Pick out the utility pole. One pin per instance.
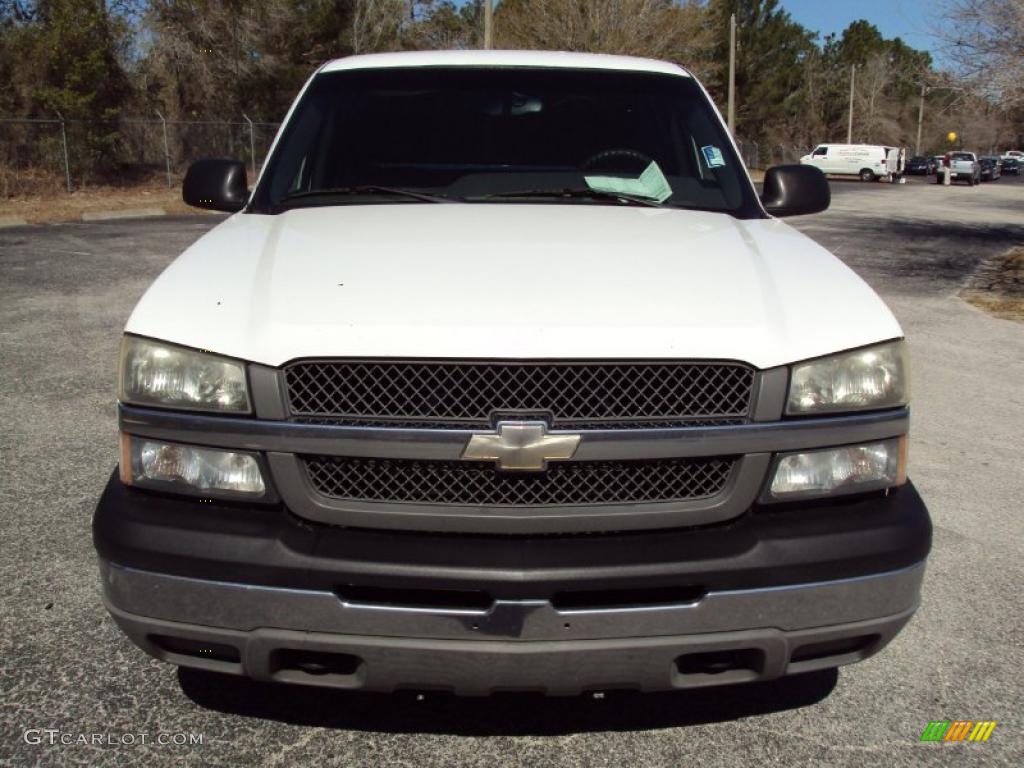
(732, 75)
(849, 122)
(920, 120)
(64, 143)
(167, 150)
(488, 24)
(252, 143)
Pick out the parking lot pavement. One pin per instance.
(919, 237)
(65, 293)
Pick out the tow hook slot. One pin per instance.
(722, 666)
(316, 663)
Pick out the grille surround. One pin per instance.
(480, 484)
(476, 394)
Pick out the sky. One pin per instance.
(907, 19)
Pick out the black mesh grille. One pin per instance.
(480, 484)
(570, 395)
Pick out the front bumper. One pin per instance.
(481, 665)
(260, 592)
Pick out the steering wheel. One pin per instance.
(607, 154)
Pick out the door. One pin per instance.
(819, 158)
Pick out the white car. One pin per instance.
(867, 161)
(1014, 154)
(502, 376)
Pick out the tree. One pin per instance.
(64, 56)
(445, 26)
(216, 58)
(219, 58)
(860, 41)
(376, 25)
(889, 75)
(771, 52)
(985, 40)
(874, 116)
(655, 28)
(888, 84)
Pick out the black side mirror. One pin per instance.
(216, 183)
(792, 190)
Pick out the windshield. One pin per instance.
(504, 135)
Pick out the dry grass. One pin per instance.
(998, 286)
(60, 206)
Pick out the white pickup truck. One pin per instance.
(503, 376)
(963, 166)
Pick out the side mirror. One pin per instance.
(215, 183)
(792, 190)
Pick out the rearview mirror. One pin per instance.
(793, 190)
(217, 184)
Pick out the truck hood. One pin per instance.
(510, 281)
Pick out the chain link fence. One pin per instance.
(40, 156)
(765, 154)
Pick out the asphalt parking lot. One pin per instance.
(65, 293)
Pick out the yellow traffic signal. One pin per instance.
(951, 136)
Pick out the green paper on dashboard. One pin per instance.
(651, 184)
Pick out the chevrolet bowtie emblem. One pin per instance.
(521, 445)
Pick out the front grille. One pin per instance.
(463, 483)
(474, 395)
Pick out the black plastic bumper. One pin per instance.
(270, 546)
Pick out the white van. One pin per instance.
(865, 160)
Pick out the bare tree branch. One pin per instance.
(985, 41)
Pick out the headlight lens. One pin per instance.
(180, 468)
(837, 471)
(873, 377)
(154, 373)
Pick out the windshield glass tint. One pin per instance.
(477, 134)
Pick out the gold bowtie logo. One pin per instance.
(521, 445)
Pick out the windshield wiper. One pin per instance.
(366, 189)
(581, 193)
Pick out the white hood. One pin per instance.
(510, 281)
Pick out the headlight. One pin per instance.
(837, 471)
(873, 377)
(154, 373)
(180, 468)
